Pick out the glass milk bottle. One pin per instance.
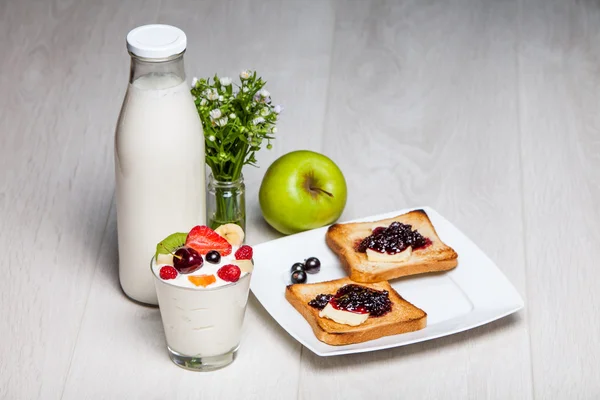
(159, 155)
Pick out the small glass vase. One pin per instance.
(226, 202)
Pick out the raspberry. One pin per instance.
(167, 272)
(244, 253)
(229, 273)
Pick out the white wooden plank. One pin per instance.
(125, 340)
(289, 44)
(56, 183)
(124, 343)
(422, 110)
(560, 123)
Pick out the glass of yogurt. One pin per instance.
(202, 313)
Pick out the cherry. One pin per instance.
(312, 265)
(297, 267)
(298, 277)
(187, 260)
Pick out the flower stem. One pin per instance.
(229, 204)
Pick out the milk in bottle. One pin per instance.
(159, 155)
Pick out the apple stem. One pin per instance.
(321, 190)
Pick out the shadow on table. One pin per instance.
(318, 363)
(258, 229)
(107, 264)
(267, 322)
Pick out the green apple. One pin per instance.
(302, 190)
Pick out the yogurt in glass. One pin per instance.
(202, 325)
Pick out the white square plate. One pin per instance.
(473, 294)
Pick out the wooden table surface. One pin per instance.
(488, 111)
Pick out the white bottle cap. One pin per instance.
(156, 41)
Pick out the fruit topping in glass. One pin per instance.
(167, 272)
(233, 233)
(187, 260)
(167, 247)
(229, 273)
(182, 254)
(203, 239)
(244, 253)
(202, 280)
(394, 239)
(165, 259)
(213, 257)
(245, 265)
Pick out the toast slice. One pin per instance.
(343, 239)
(404, 317)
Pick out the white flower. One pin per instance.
(265, 111)
(220, 98)
(222, 121)
(203, 102)
(194, 82)
(245, 90)
(245, 74)
(258, 120)
(211, 138)
(225, 81)
(274, 129)
(215, 114)
(232, 116)
(264, 93)
(278, 109)
(212, 95)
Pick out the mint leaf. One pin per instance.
(170, 243)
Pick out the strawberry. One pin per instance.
(229, 273)
(203, 239)
(167, 272)
(244, 253)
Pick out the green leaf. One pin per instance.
(236, 143)
(170, 243)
